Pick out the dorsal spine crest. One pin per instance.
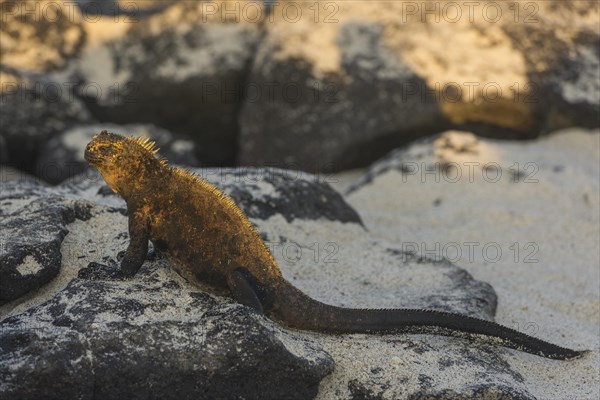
(145, 143)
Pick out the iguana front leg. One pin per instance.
(138, 244)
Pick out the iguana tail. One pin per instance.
(295, 309)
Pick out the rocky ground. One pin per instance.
(160, 332)
(426, 214)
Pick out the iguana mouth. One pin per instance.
(90, 158)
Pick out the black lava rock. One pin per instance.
(152, 339)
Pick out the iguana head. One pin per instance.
(126, 163)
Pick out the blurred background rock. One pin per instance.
(316, 86)
(406, 89)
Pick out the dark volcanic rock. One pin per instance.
(32, 227)
(152, 339)
(311, 115)
(62, 156)
(33, 109)
(182, 69)
(337, 85)
(264, 192)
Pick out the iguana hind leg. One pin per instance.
(243, 289)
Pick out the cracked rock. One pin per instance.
(152, 338)
(32, 228)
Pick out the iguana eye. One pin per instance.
(104, 150)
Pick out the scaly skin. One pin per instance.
(212, 244)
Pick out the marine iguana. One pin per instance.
(212, 244)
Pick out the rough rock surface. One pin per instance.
(330, 96)
(62, 156)
(33, 109)
(264, 192)
(182, 69)
(82, 324)
(336, 85)
(32, 227)
(40, 35)
(561, 50)
(152, 338)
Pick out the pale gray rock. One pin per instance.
(183, 69)
(33, 223)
